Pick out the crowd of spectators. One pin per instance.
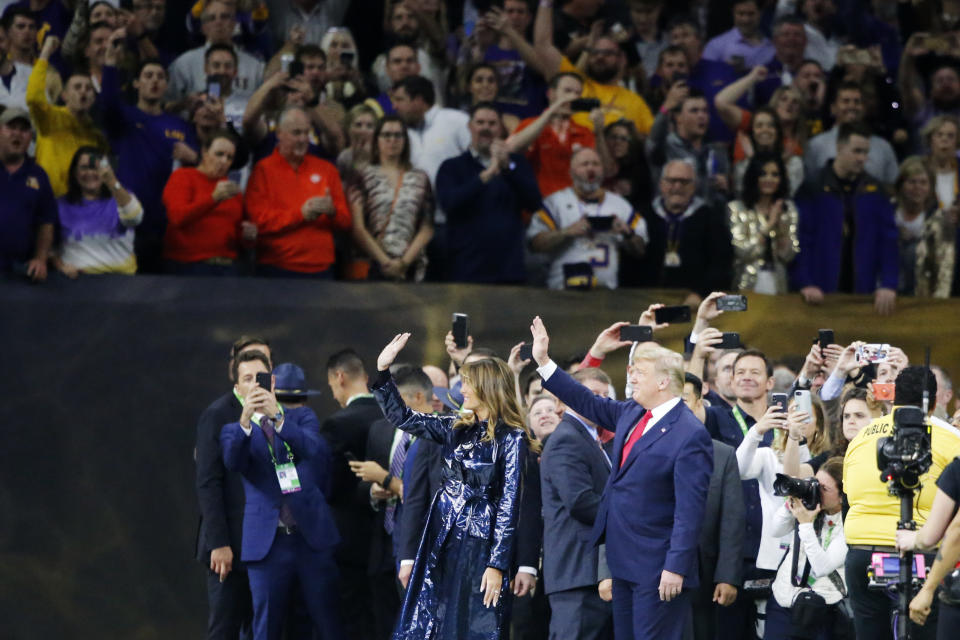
(768, 146)
(760, 553)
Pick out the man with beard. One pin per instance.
(484, 192)
(943, 92)
(606, 63)
(407, 26)
(583, 228)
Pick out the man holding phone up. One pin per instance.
(584, 227)
(288, 530)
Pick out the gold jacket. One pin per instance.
(747, 232)
(935, 257)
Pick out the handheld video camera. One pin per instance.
(806, 490)
(905, 455)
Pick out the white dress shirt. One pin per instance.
(443, 135)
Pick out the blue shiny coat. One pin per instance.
(471, 525)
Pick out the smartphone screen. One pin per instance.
(679, 313)
(636, 333)
(265, 380)
(600, 223)
(732, 303)
(460, 331)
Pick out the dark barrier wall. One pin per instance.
(103, 379)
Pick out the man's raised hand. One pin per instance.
(541, 341)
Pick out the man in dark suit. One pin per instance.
(382, 473)
(484, 192)
(653, 504)
(721, 540)
(347, 431)
(573, 472)
(289, 534)
(221, 499)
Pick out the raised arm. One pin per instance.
(550, 56)
(394, 408)
(726, 100)
(603, 411)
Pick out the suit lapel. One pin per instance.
(592, 445)
(655, 432)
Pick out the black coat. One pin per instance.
(704, 246)
(722, 535)
(379, 442)
(347, 431)
(219, 492)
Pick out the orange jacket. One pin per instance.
(198, 228)
(275, 195)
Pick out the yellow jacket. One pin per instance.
(59, 132)
(873, 515)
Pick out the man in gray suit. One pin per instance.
(721, 539)
(573, 472)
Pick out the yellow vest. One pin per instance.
(874, 513)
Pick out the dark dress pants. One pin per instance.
(231, 612)
(273, 578)
(639, 614)
(580, 614)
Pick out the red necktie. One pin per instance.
(637, 432)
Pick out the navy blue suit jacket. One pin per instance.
(250, 456)
(653, 506)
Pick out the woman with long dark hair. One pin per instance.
(763, 227)
(461, 574)
(97, 217)
(392, 207)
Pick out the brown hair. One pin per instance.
(492, 381)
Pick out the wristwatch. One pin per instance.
(117, 186)
(277, 418)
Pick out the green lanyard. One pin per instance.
(740, 420)
(253, 419)
(826, 541)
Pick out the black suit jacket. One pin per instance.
(419, 487)
(219, 492)
(347, 431)
(574, 472)
(722, 535)
(379, 442)
(530, 523)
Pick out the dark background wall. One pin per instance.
(103, 379)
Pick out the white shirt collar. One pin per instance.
(661, 410)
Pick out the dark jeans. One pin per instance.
(231, 608)
(873, 610)
(176, 268)
(270, 271)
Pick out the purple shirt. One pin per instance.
(731, 44)
(26, 204)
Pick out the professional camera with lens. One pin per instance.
(807, 491)
(905, 455)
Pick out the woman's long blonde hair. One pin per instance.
(492, 381)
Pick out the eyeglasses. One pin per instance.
(679, 182)
(394, 135)
(618, 137)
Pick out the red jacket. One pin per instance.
(198, 227)
(275, 195)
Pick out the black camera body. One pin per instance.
(905, 455)
(806, 490)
